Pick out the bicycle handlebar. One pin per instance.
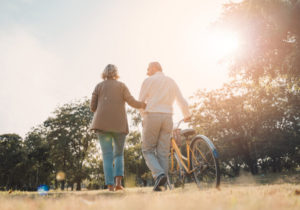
(178, 124)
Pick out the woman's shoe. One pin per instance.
(119, 183)
(110, 188)
(119, 188)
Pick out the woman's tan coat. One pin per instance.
(108, 105)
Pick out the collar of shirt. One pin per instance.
(158, 73)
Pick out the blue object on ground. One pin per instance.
(43, 189)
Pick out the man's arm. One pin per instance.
(183, 104)
(143, 91)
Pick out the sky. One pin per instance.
(53, 52)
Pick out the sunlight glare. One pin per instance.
(222, 43)
(237, 1)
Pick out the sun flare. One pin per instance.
(222, 43)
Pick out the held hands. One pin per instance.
(144, 105)
(187, 119)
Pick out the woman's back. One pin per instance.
(111, 92)
(108, 103)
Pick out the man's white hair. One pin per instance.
(156, 65)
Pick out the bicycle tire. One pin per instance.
(205, 163)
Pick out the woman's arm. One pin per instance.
(94, 100)
(131, 100)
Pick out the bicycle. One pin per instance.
(201, 159)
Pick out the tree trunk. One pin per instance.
(37, 177)
(253, 166)
(56, 184)
(236, 170)
(78, 185)
(246, 151)
(276, 167)
(62, 185)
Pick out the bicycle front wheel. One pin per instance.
(176, 173)
(205, 164)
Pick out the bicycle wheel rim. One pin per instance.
(205, 164)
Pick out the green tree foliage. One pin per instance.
(64, 143)
(270, 43)
(39, 168)
(254, 119)
(134, 162)
(248, 123)
(11, 164)
(70, 141)
(95, 171)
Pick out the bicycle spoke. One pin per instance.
(201, 153)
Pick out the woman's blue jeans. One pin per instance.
(112, 146)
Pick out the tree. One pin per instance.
(70, 140)
(39, 169)
(134, 162)
(11, 161)
(255, 118)
(243, 120)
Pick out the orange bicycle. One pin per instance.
(193, 158)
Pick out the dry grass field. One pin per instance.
(278, 196)
(242, 193)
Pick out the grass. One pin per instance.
(246, 192)
(278, 196)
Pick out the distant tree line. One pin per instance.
(63, 143)
(254, 120)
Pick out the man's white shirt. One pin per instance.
(159, 93)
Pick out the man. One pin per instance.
(159, 93)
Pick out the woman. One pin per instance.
(110, 123)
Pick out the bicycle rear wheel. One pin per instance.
(205, 164)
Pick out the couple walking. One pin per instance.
(157, 95)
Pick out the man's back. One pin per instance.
(159, 92)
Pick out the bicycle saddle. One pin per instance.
(187, 132)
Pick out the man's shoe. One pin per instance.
(160, 181)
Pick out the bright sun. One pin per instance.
(222, 43)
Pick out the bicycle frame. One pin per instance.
(183, 162)
(192, 163)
